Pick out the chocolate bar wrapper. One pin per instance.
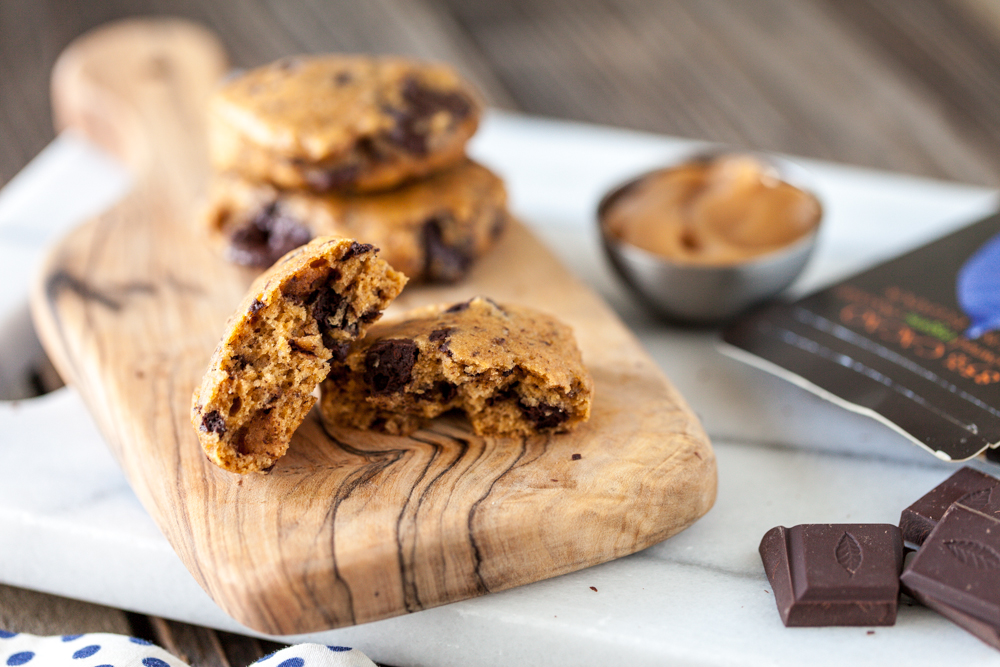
(913, 342)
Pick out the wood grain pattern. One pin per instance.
(358, 526)
(908, 87)
(777, 75)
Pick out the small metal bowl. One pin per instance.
(703, 295)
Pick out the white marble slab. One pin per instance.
(69, 524)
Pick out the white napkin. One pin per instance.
(102, 649)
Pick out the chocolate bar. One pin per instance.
(968, 486)
(958, 568)
(834, 574)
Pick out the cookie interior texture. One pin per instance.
(512, 370)
(297, 316)
(342, 122)
(432, 229)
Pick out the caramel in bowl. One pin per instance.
(704, 240)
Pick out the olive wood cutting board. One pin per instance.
(352, 526)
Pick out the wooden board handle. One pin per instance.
(132, 85)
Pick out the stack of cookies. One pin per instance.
(342, 177)
(362, 147)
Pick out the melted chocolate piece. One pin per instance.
(329, 309)
(440, 334)
(339, 371)
(266, 238)
(507, 393)
(968, 485)
(338, 350)
(255, 306)
(447, 390)
(420, 104)
(427, 101)
(370, 316)
(389, 365)
(544, 417)
(458, 307)
(834, 574)
(335, 178)
(213, 423)
(357, 249)
(958, 569)
(443, 262)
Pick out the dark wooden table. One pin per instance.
(911, 87)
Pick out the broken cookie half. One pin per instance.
(298, 316)
(512, 370)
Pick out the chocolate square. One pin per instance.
(987, 632)
(967, 485)
(834, 574)
(959, 565)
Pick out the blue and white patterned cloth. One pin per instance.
(107, 650)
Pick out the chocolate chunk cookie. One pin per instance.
(296, 318)
(341, 122)
(432, 229)
(512, 370)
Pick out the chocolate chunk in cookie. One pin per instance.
(389, 365)
(443, 262)
(278, 346)
(415, 116)
(512, 370)
(266, 237)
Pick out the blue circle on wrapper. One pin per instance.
(20, 658)
(977, 287)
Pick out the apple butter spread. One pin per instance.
(725, 210)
